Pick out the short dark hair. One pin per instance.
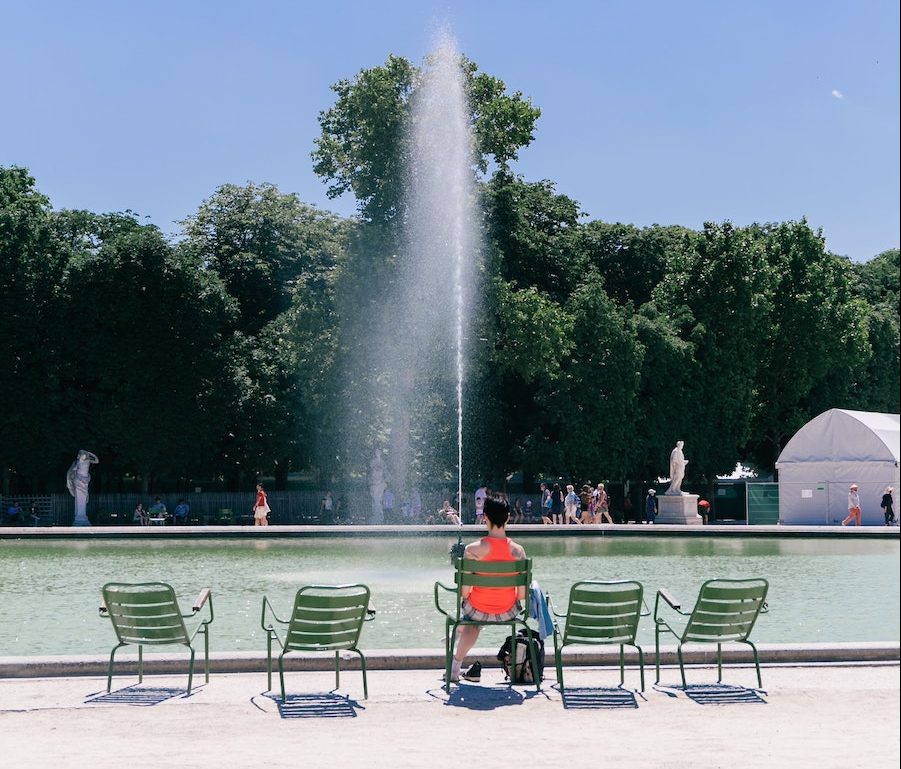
(496, 509)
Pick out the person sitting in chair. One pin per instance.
(487, 604)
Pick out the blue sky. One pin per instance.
(652, 112)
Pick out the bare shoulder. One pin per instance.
(517, 550)
(476, 550)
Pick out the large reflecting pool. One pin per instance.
(820, 590)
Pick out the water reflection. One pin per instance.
(820, 590)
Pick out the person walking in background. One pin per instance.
(261, 507)
(887, 505)
(602, 508)
(572, 505)
(585, 502)
(546, 516)
(627, 508)
(853, 506)
(557, 504)
(650, 506)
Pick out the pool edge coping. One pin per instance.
(53, 666)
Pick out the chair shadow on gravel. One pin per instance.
(329, 705)
(717, 694)
(598, 698)
(480, 697)
(138, 695)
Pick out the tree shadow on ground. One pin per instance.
(599, 698)
(717, 694)
(138, 695)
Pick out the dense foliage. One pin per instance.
(239, 349)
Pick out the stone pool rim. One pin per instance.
(739, 530)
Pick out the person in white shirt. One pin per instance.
(853, 506)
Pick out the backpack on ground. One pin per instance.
(523, 665)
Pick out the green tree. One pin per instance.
(809, 328)
(717, 292)
(362, 145)
(145, 331)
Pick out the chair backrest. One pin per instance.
(327, 617)
(726, 610)
(603, 612)
(145, 613)
(493, 574)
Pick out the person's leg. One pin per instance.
(857, 516)
(606, 514)
(467, 635)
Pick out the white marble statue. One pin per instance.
(677, 462)
(77, 480)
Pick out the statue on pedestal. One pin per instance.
(77, 480)
(677, 462)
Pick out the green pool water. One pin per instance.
(829, 590)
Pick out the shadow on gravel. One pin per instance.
(585, 698)
(317, 706)
(137, 695)
(717, 694)
(488, 697)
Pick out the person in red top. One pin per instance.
(261, 508)
(492, 604)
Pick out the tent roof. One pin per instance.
(839, 435)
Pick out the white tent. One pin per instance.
(827, 455)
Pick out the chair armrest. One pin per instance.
(201, 599)
(645, 609)
(270, 628)
(550, 605)
(437, 599)
(667, 596)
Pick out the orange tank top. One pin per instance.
(494, 600)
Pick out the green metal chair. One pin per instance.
(324, 618)
(725, 612)
(147, 614)
(502, 574)
(605, 613)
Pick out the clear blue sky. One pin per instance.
(652, 112)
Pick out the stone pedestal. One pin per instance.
(681, 510)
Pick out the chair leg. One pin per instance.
(140, 663)
(109, 676)
(681, 664)
(513, 654)
(190, 669)
(281, 673)
(533, 662)
(622, 665)
(206, 654)
(363, 668)
(719, 663)
(756, 664)
(268, 661)
(337, 671)
(641, 665)
(449, 654)
(558, 662)
(657, 652)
